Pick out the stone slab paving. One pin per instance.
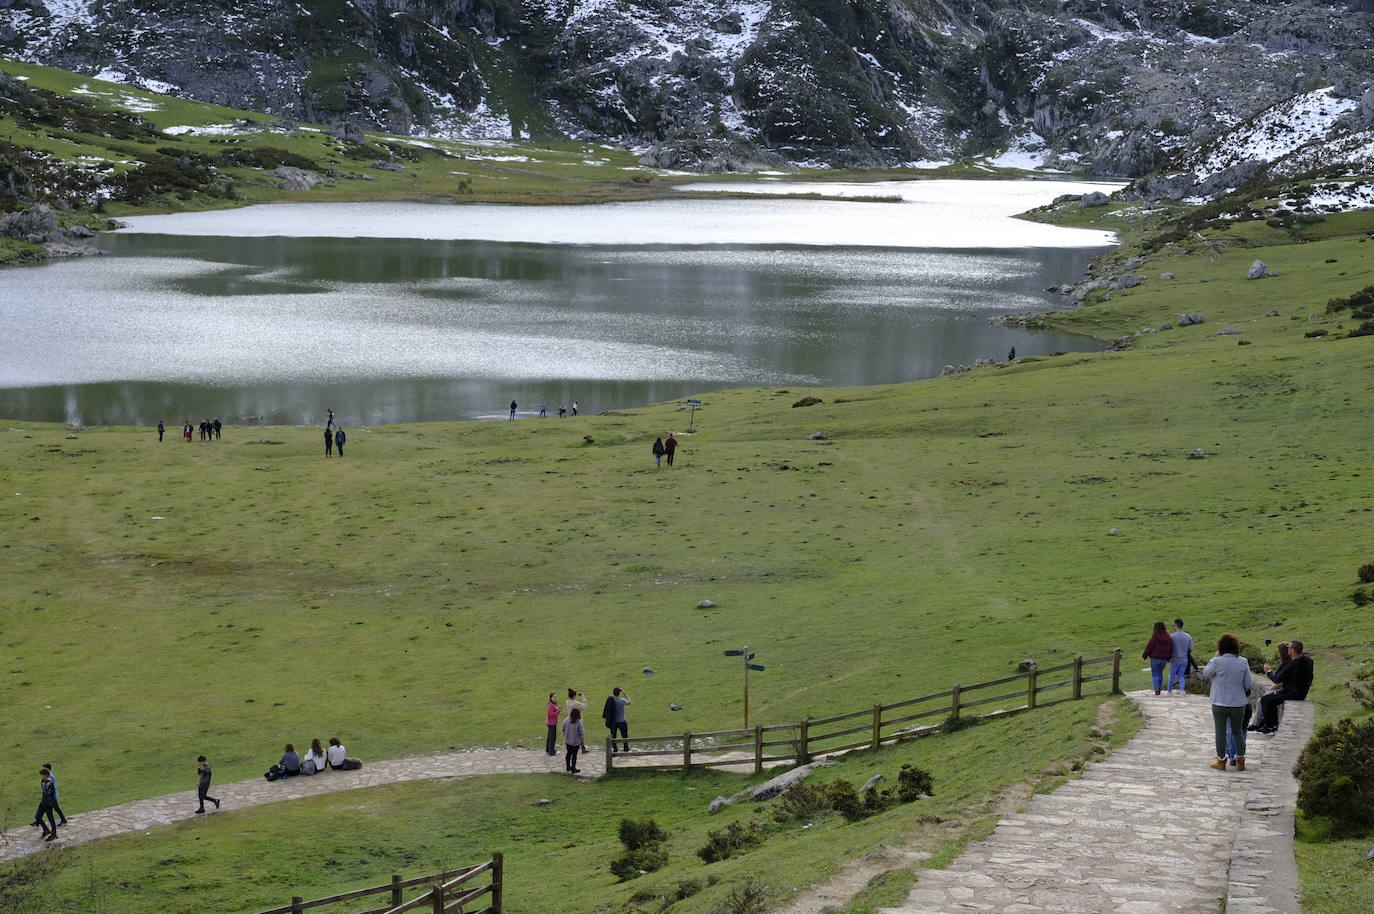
(1150, 829)
(175, 807)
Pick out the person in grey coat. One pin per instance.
(1229, 675)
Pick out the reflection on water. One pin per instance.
(387, 330)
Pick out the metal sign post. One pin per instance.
(692, 416)
(746, 656)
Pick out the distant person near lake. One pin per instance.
(187, 430)
(328, 443)
(562, 410)
(1159, 650)
(218, 425)
(160, 429)
(329, 422)
(670, 448)
(613, 712)
(543, 410)
(659, 450)
(339, 439)
(574, 407)
(513, 406)
(1178, 664)
(204, 774)
(1011, 354)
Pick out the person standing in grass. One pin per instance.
(574, 407)
(658, 452)
(160, 429)
(328, 442)
(551, 712)
(339, 439)
(670, 448)
(1231, 681)
(543, 410)
(203, 786)
(573, 737)
(218, 425)
(1159, 650)
(513, 406)
(562, 410)
(1178, 664)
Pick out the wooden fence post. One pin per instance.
(296, 902)
(436, 898)
(687, 750)
(758, 748)
(397, 893)
(1116, 671)
(877, 726)
(497, 880)
(954, 702)
(610, 753)
(804, 743)
(1078, 677)
(1031, 675)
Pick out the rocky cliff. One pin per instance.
(1110, 86)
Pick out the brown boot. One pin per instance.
(1219, 764)
(1240, 763)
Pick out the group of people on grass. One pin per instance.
(663, 449)
(316, 759)
(1234, 690)
(544, 410)
(334, 436)
(574, 730)
(209, 429)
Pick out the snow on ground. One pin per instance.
(1335, 197)
(1353, 152)
(1273, 133)
(1027, 151)
(125, 100)
(205, 130)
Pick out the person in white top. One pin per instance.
(336, 753)
(576, 700)
(314, 760)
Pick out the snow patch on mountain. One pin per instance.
(1272, 134)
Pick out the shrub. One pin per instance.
(724, 843)
(801, 802)
(844, 799)
(749, 897)
(913, 782)
(1361, 597)
(266, 157)
(1314, 334)
(643, 833)
(1335, 779)
(1366, 573)
(644, 851)
(1253, 656)
(1365, 329)
(686, 889)
(807, 401)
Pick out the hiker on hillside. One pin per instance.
(160, 429)
(573, 737)
(613, 712)
(339, 439)
(1178, 664)
(551, 712)
(659, 451)
(328, 443)
(670, 448)
(1292, 681)
(47, 804)
(513, 405)
(1231, 681)
(203, 786)
(1159, 650)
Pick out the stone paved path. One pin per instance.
(1150, 829)
(175, 807)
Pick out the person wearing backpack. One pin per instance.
(339, 439)
(658, 452)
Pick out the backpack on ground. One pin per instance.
(351, 764)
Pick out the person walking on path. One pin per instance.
(56, 795)
(339, 439)
(513, 405)
(160, 429)
(1231, 681)
(613, 712)
(47, 804)
(573, 737)
(670, 448)
(1159, 650)
(203, 786)
(658, 452)
(328, 443)
(551, 713)
(1292, 681)
(1178, 664)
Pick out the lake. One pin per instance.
(415, 312)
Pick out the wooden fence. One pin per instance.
(439, 893)
(870, 728)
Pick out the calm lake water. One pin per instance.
(415, 312)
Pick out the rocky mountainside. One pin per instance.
(1110, 86)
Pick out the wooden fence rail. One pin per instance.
(870, 728)
(440, 893)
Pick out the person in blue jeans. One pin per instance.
(1178, 664)
(1229, 675)
(1159, 650)
(339, 439)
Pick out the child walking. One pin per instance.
(573, 735)
(203, 788)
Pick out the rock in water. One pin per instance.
(1259, 270)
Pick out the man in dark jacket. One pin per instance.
(613, 713)
(1292, 681)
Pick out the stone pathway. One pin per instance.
(175, 807)
(1150, 829)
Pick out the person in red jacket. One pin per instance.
(670, 448)
(1159, 650)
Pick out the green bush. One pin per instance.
(1335, 778)
(913, 783)
(807, 401)
(1314, 334)
(1366, 573)
(801, 802)
(643, 833)
(1360, 597)
(724, 843)
(1253, 656)
(749, 897)
(644, 851)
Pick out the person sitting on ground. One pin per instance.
(336, 753)
(1229, 674)
(314, 761)
(290, 763)
(1292, 681)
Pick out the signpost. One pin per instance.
(694, 404)
(747, 656)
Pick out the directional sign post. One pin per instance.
(691, 416)
(746, 655)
